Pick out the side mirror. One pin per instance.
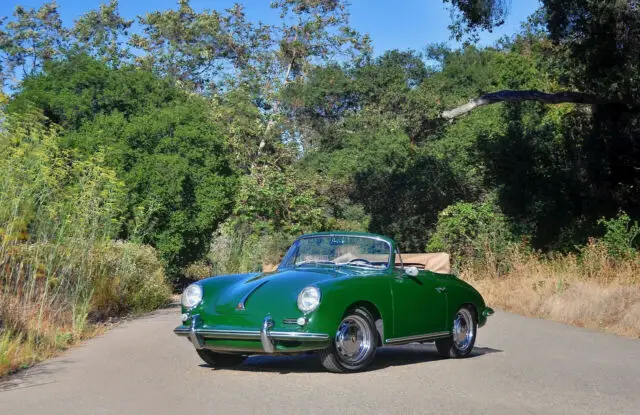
(411, 271)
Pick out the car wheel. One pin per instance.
(354, 345)
(214, 359)
(463, 337)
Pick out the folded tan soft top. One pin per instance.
(439, 262)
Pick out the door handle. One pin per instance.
(441, 289)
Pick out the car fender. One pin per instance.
(341, 295)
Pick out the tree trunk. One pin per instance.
(532, 95)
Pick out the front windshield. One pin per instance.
(340, 250)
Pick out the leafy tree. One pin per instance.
(102, 33)
(32, 38)
(591, 48)
(162, 142)
(193, 48)
(277, 200)
(472, 16)
(575, 164)
(175, 165)
(399, 186)
(74, 91)
(389, 86)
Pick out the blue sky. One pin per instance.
(399, 24)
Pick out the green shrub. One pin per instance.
(621, 236)
(473, 232)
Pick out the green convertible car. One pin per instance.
(339, 294)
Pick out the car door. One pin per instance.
(419, 304)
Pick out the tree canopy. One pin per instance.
(232, 136)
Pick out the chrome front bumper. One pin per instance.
(267, 337)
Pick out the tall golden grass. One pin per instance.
(54, 296)
(591, 289)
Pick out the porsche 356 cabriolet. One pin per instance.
(341, 295)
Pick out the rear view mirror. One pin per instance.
(412, 271)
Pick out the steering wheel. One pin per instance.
(360, 259)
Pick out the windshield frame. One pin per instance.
(292, 251)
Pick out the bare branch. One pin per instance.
(518, 96)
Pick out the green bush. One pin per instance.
(621, 236)
(473, 232)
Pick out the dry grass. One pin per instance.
(30, 335)
(44, 309)
(589, 290)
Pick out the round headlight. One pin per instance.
(192, 296)
(308, 299)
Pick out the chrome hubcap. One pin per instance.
(463, 331)
(353, 339)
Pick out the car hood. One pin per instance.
(270, 292)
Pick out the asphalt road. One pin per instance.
(520, 366)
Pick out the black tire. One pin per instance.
(214, 359)
(335, 359)
(447, 347)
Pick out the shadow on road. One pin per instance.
(385, 357)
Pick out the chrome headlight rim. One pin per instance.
(192, 296)
(309, 299)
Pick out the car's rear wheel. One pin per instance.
(214, 359)
(354, 345)
(463, 338)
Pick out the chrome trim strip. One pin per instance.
(253, 351)
(229, 334)
(288, 335)
(419, 337)
(244, 299)
(250, 334)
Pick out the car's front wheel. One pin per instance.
(214, 359)
(354, 345)
(463, 337)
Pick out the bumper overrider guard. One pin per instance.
(267, 337)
